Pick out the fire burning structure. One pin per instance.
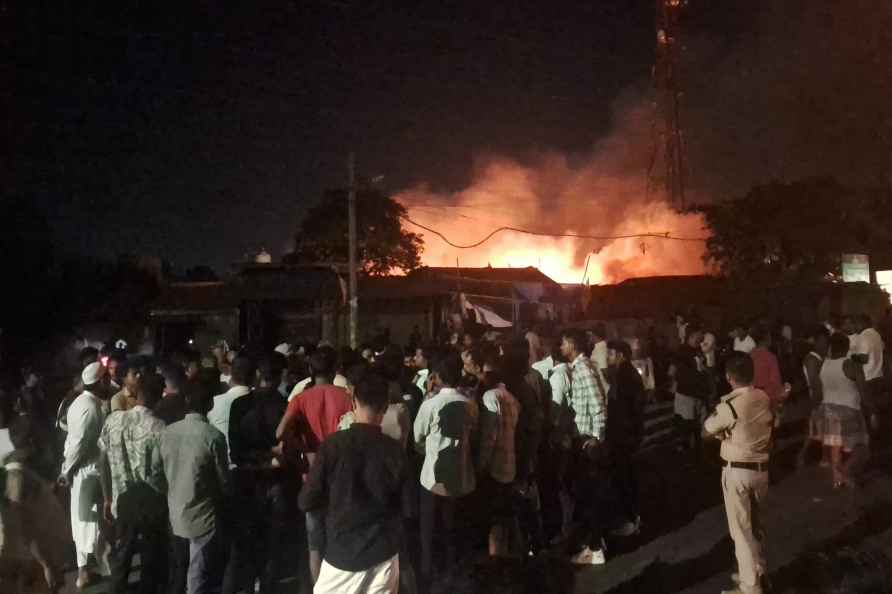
(591, 220)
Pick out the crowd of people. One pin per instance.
(396, 464)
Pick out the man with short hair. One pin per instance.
(191, 365)
(262, 491)
(80, 470)
(443, 429)
(133, 488)
(766, 369)
(588, 395)
(241, 380)
(172, 407)
(195, 464)
(545, 363)
(818, 340)
(588, 401)
(423, 358)
(599, 348)
(743, 422)
(691, 390)
(625, 429)
(309, 418)
(850, 329)
(497, 457)
(356, 481)
(339, 379)
(116, 361)
(125, 399)
(743, 342)
(561, 438)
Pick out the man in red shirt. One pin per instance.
(767, 376)
(312, 416)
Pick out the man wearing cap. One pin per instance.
(743, 422)
(80, 470)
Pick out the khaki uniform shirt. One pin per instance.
(743, 422)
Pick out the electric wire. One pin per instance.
(494, 232)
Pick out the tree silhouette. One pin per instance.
(796, 231)
(383, 246)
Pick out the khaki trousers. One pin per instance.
(744, 491)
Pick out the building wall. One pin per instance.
(400, 316)
(172, 333)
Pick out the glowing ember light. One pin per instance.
(604, 196)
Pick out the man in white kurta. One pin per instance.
(81, 472)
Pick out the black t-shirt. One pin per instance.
(253, 420)
(357, 478)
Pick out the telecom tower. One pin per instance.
(667, 168)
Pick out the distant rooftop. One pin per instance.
(530, 274)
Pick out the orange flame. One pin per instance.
(605, 196)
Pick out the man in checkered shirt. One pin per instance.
(588, 403)
(588, 392)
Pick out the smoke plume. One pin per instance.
(603, 194)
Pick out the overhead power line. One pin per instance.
(662, 235)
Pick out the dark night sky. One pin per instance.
(201, 134)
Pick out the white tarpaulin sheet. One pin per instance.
(484, 315)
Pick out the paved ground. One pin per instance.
(804, 516)
(816, 536)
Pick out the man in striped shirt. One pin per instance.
(588, 402)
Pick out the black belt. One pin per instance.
(756, 466)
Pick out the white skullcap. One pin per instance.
(92, 373)
(283, 348)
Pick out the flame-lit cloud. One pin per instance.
(604, 194)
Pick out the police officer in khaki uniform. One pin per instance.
(743, 422)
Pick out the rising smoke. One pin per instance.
(603, 194)
(801, 89)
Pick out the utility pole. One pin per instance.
(351, 222)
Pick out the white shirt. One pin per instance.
(5, 443)
(744, 345)
(836, 386)
(219, 415)
(444, 426)
(561, 416)
(544, 367)
(85, 420)
(339, 380)
(560, 384)
(599, 355)
(420, 380)
(871, 344)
